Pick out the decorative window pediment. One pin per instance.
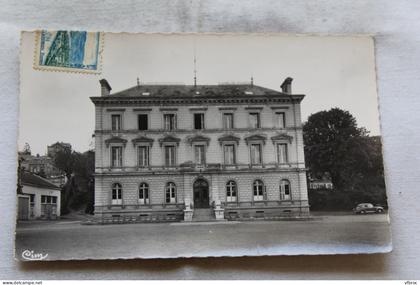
(115, 140)
(229, 138)
(255, 138)
(198, 138)
(282, 137)
(142, 140)
(169, 139)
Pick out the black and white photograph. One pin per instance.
(198, 145)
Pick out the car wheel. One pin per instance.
(362, 212)
(380, 211)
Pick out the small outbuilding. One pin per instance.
(38, 198)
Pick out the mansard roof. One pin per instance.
(194, 91)
(152, 92)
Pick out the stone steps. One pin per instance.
(203, 215)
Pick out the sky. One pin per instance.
(332, 71)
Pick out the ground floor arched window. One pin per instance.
(116, 198)
(231, 191)
(258, 187)
(170, 193)
(144, 193)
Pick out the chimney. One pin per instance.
(105, 87)
(286, 86)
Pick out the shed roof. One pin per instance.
(31, 179)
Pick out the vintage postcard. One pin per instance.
(198, 145)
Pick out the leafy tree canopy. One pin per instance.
(334, 144)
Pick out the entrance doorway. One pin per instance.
(23, 208)
(201, 194)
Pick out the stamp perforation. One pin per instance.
(37, 50)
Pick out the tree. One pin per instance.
(79, 169)
(335, 145)
(65, 161)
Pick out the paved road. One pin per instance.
(323, 235)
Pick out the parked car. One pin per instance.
(365, 208)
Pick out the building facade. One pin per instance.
(170, 152)
(53, 149)
(320, 184)
(42, 165)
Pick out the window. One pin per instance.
(229, 154)
(48, 206)
(116, 194)
(198, 121)
(116, 156)
(285, 193)
(281, 120)
(282, 153)
(143, 156)
(169, 122)
(228, 121)
(258, 190)
(231, 191)
(200, 157)
(256, 154)
(116, 122)
(143, 122)
(170, 193)
(254, 120)
(48, 199)
(169, 155)
(143, 193)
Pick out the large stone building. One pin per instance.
(53, 149)
(173, 152)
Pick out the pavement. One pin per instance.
(326, 234)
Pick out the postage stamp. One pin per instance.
(70, 51)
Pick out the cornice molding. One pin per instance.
(255, 138)
(115, 140)
(266, 99)
(198, 109)
(142, 109)
(282, 137)
(169, 139)
(229, 138)
(115, 110)
(198, 138)
(142, 139)
(257, 108)
(191, 131)
(279, 107)
(169, 109)
(228, 108)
